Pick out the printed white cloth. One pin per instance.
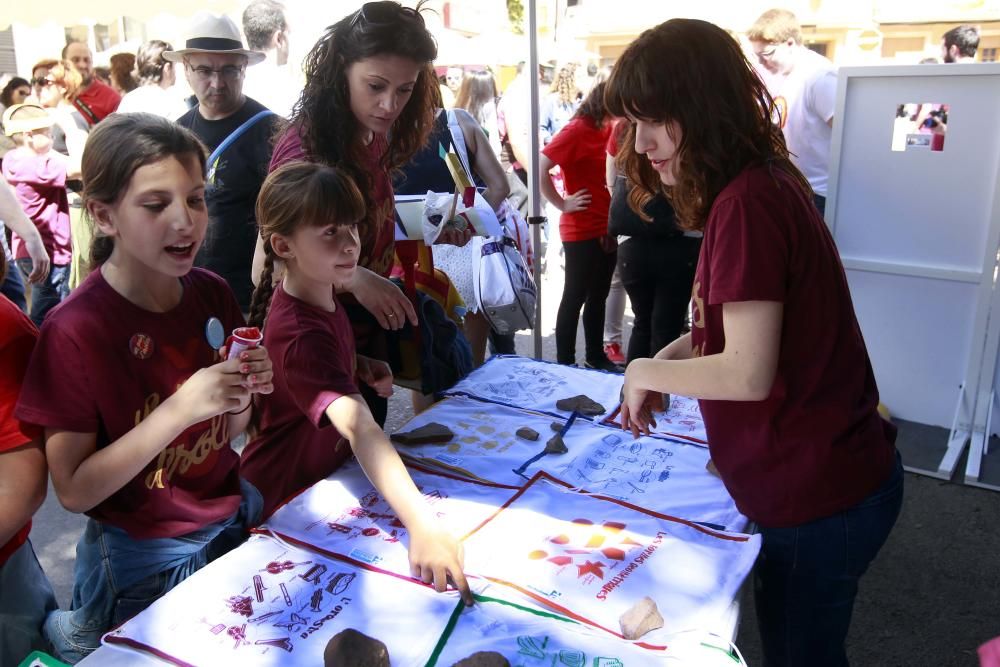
(268, 604)
(664, 474)
(593, 558)
(538, 385)
(344, 516)
(682, 421)
(535, 638)
(486, 446)
(660, 474)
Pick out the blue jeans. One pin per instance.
(25, 599)
(806, 578)
(12, 287)
(117, 576)
(46, 295)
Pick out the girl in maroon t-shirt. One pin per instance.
(126, 379)
(775, 354)
(308, 216)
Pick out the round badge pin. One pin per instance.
(141, 346)
(214, 333)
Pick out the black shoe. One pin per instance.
(603, 364)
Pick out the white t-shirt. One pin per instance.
(153, 99)
(273, 86)
(805, 101)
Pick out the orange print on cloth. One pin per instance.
(591, 558)
(193, 453)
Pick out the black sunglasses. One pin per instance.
(40, 81)
(385, 12)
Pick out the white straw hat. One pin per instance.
(213, 33)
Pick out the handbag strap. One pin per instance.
(458, 140)
(236, 134)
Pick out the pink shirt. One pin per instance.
(40, 184)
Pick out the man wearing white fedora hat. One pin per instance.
(238, 130)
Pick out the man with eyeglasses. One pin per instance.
(805, 94)
(237, 130)
(94, 100)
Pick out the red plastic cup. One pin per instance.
(244, 338)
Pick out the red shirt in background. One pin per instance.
(40, 184)
(312, 352)
(100, 98)
(579, 150)
(816, 445)
(103, 364)
(17, 339)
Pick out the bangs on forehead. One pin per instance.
(636, 89)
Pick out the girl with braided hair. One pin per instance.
(309, 216)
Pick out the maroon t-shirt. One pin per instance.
(17, 339)
(816, 445)
(312, 352)
(579, 149)
(100, 98)
(102, 364)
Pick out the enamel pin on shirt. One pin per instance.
(214, 333)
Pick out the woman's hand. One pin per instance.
(578, 201)
(450, 235)
(376, 374)
(383, 299)
(436, 556)
(638, 405)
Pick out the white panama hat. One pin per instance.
(213, 33)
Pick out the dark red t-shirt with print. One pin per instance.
(816, 445)
(17, 339)
(103, 364)
(312, 352)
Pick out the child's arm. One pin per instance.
(434, 553)
(84, 476)
(376, 374)
(14, 217)
(22, 487)
(743, 371)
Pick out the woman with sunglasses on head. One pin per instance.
(368, 105)
(775, 354)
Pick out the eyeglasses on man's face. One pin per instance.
(383, 13)
(226, 73)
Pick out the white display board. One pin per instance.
(918, 233)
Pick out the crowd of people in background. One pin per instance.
(155, 220)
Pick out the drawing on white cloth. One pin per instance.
(538, 385)
(214, 617)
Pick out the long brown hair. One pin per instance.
(323, 115)
(116, 148)
(695, 74)
(300, 193)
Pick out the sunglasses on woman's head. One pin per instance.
(384, 13)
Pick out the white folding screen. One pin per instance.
(918, 232)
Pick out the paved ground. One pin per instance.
(931, 597)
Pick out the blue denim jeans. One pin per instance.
(46, 295)
(117, 576)
(806, 578)
(13, 287)
(25, 600)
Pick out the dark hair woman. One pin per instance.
(367, 106)
(775, 354)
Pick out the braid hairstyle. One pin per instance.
(300, 193)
